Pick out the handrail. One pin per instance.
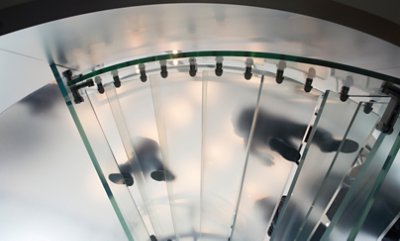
(235, 53)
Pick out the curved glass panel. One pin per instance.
(224, 150)
(386, 208)
(327, 132)
(284, 113)
(130, 135)
(351, 214)
(227, 147)
(341, 165)
(177, 106)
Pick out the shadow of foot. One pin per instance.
(349, 146)
(121, 178)
(162, 175)
(285, 150)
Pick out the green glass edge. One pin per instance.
(204, 116)
(90, 151)
(377, 185)
(300, 167)
(351, 193)
(233, 53)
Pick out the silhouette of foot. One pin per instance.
(121, 178)
(162, 175)
(285, 150)
(349, 146)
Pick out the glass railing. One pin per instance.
(205, 145)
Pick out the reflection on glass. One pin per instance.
(105, 164)
(358, 199)
(136, 150)
(386, 209)
(177, 105)
(224, 151)
(279, 130)
(211, 157)
(325, 139)
(359, 131)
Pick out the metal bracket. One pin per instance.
(75, 90)
(392, 111)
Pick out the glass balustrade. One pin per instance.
(219, 145)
